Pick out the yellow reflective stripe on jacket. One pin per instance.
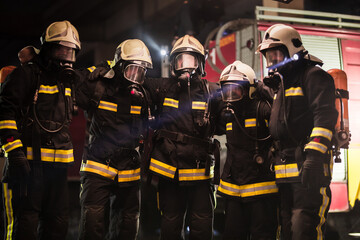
(8, 124)
(135, 109)
(68, 92)
(12, 145)
(316, 146)
(171, 103)
(248, 190)
(294, 91)
(195, 174)
(322, 211)
(129, 175)
(266, 123)
(48, 89)
(286, 170)
(52, 155)
(321, 132)
(199, 105)
(162, 168)
(9, 212)
(99, 168)
(251, 122)
(91, 69)
(108, 106)
(109, 62)
(229, 188)
(228, 126)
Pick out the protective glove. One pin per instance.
(98, 72)
(312, 173)
(17, 170)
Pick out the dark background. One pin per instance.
(103, 24)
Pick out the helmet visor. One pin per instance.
(186, 61)
(274, 56)
(232, 91)
(135, 73)
(63, 53)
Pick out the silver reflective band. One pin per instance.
(135, 73)
(185, 61)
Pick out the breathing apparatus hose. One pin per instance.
(242, 128)
(37, 119)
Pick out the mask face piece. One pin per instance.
(274, 56)
(234, 91)
(186, 61)
(135, 73)
(63, 53)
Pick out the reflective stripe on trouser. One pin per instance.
(303, 211)
(95, 200)
(110, 172)
(196, 200)
(247, 190)
(47, 195)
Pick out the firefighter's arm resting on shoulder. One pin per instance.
(318, 87)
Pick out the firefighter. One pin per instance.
(110, 169)
(302, 122)
(247, 184)
(36, 107)
(182, 154)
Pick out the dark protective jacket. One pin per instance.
(307, 129)
(116, 128)
(40, 129)
(183, 148)
(242, 176)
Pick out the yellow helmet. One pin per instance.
(187, 54)
(282, 35)
(63, 33)
(133, 50)
(187, 43)
(234, 79)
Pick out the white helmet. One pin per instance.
(134, 59)
(280, 35)
(63, 33)
(132, 50)
(234, 79)
(61, 41)
(187, 53)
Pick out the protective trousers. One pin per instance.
(303, 212)
(43, 212)
(97, 197)
(196, 200)
(255, 219)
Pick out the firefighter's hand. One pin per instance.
(312, 173)
(98, 72)
(17, 169)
